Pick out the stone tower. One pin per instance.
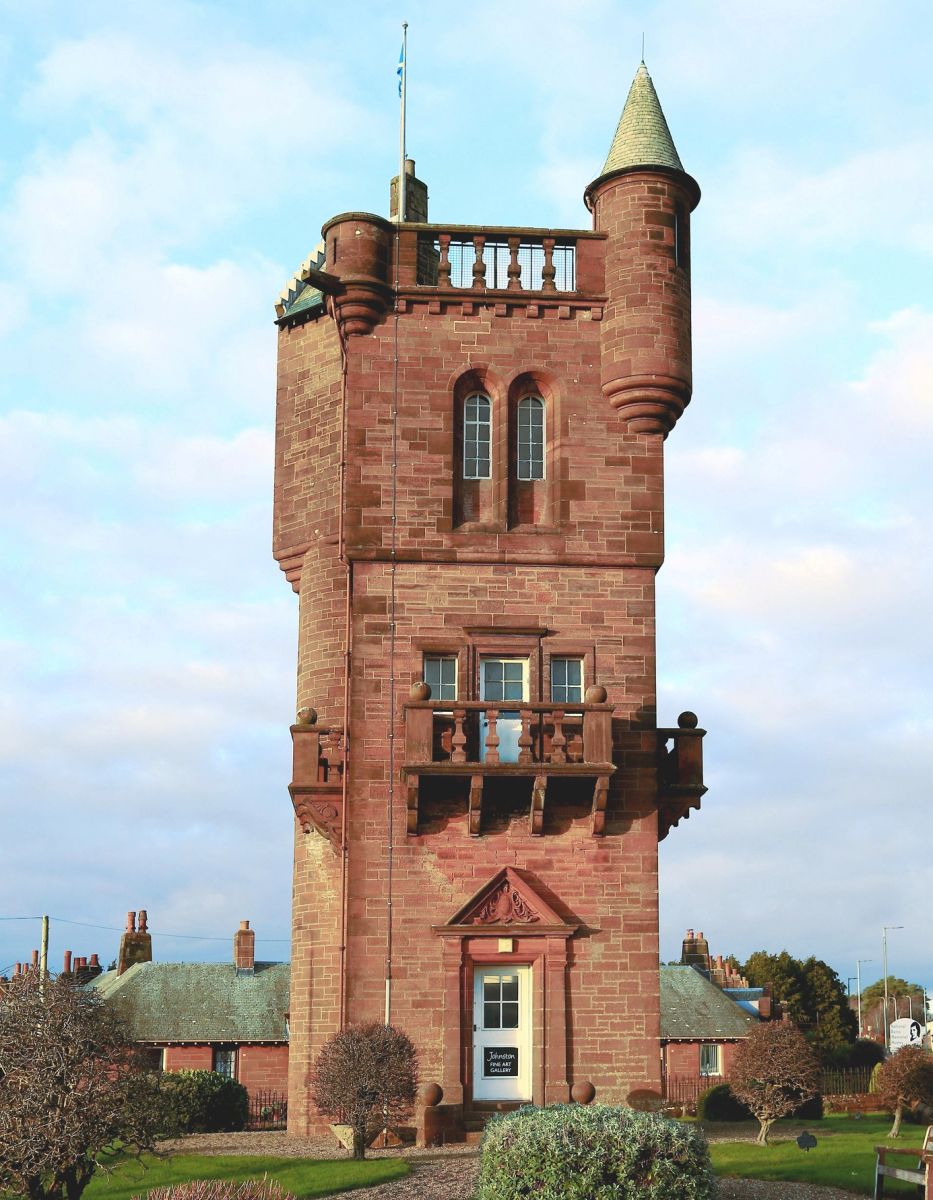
(469, 503)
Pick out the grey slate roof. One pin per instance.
(642, 138)
(200, 1002)
(695, 1009)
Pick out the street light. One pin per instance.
(884, 948)
(858, 986)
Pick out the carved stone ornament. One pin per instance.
(323, 816)
(506, 906)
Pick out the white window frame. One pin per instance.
(715, 1050)
(568, 658)
(474, 420)
(440, 659)
(530, 465)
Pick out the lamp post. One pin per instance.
(884, 950)
(858, 988)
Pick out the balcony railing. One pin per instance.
(497, 261)
(480, 739)
(318, 764)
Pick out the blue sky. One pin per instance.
(164, 169)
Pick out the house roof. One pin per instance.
(693, 1008)
(642, 138)
(200, 1002)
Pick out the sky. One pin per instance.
(165, 168)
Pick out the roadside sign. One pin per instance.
(906, 1032)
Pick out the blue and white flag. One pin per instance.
(401, 68)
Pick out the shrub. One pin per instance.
(719, 1103)
(774, 1072)
(220, 1189)
(365, 1076)
(904, 1081)
(202, 1102)
(572, 1152)
(810, 1110)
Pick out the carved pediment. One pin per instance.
(506, 901)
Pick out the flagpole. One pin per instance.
(401, 168)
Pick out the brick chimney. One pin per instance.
(135, 944)
(244, 948)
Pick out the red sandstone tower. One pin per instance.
(469, 503)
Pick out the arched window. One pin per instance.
(477, 437)
(530, 447)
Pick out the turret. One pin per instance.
(643, 199)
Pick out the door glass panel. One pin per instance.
(510, 1014)
(490, 990)
(491, 1016)
(509, 987)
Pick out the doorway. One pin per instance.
(503, 679)
(502, 1033)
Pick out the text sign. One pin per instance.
(499, 1061)
(906, 1032)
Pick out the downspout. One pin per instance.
(347, 640)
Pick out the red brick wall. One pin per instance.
(188, 1058)
(263, 1068)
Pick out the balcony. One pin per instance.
(680, 772)
(318, 764)
(480, 741)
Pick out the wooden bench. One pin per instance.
(919, 1173)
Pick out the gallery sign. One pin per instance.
(499, 1061)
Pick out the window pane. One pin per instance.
(440, 673)
(490, 990)
(567, 680)
(477, 415)
(491, 1016)
(530, 449)
(510, 1015)
(510, 987)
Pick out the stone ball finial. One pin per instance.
(687, 720)
(420, 691)
(307, 716)
(583, 1092)
(595, 694)
(430, 1094)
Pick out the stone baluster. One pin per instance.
(515, 271)
(458, 741)
(479, 266)
(443, 265)
(492, 736)
(558, 741)
(524, 740)
(548, 271)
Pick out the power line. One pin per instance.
(193, 937)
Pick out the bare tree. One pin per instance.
(904, 1080)
(774, 1072)
(70, 1086)
(365, 1077)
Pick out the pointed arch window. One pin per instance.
(477, 437)
(530, 448)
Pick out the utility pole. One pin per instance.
(884, 955)
(858, 987)
(44, 950)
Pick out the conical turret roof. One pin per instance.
(642, 138)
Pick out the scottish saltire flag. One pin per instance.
(401, 68)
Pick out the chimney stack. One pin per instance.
(244, 948)
(66, 969)
(135, 944)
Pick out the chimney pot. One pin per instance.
(130, 922)
(143, 921)
(690, 933)
(95, 961)
(244, 924)
(35, 958)
(67, 966)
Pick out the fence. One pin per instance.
(267, 1110)
(851, 1081)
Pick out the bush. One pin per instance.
(719, 1103)
(220, 1189)
(202, 1102)
(774, 1072)
(904, 1081)
(572, 1152)
(810, 1110)
(365, 1076)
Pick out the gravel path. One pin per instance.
(445, 1173)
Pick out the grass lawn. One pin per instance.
(844, 1156)
(300, 1176)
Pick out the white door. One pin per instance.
(503, 679)
(502, 1033)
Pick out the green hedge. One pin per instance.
(572, 1152)
(202, 1102)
